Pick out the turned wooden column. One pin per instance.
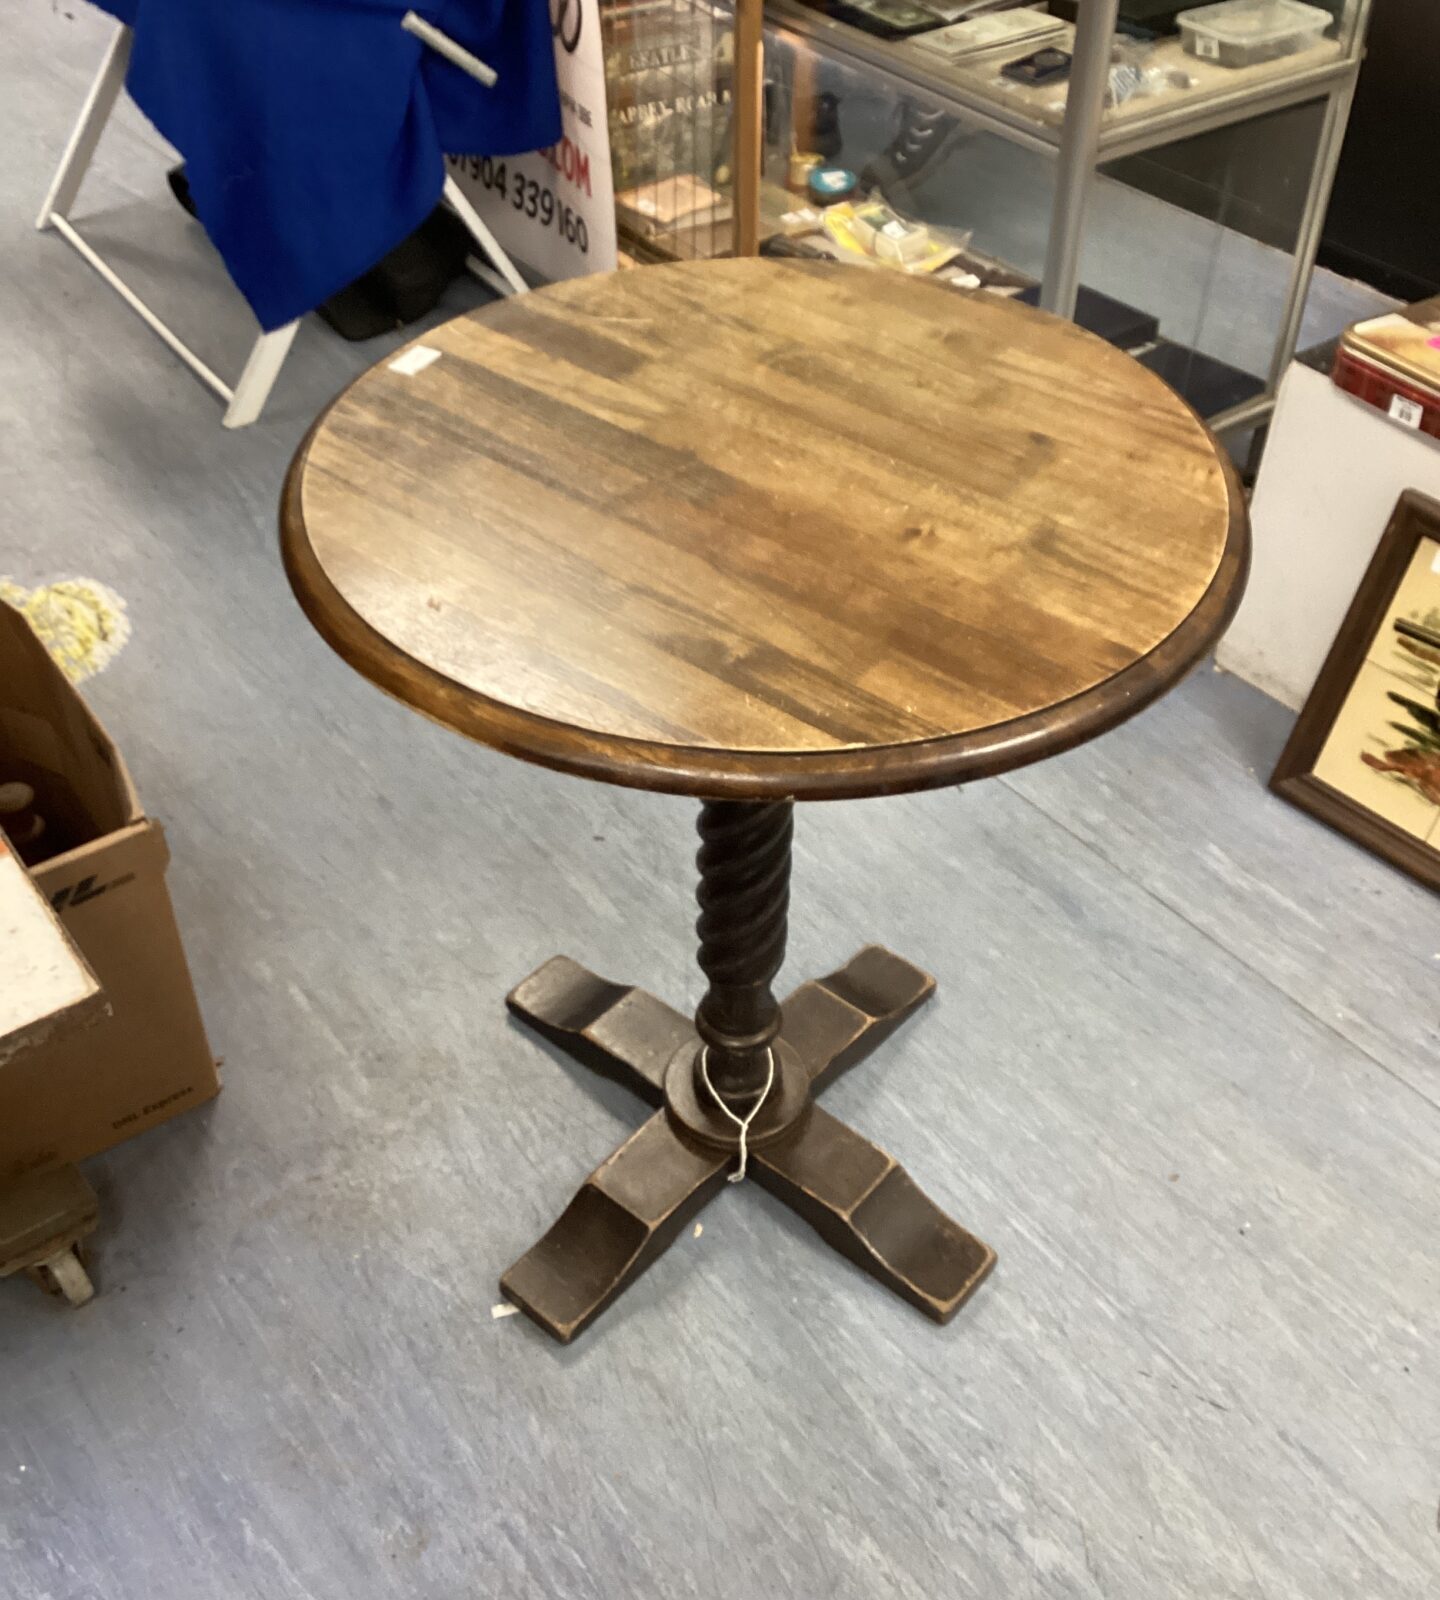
(744, 898)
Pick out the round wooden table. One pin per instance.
(757, 532)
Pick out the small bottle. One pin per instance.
(21, 823)
(800, 166)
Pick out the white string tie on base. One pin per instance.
(743, 1123)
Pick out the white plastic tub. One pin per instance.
(1240, 33)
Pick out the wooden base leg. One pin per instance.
(864, 1203)
(615, 1030)
(626, 1213)
(836, 1021)
(855, 1195)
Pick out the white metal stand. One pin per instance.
(1079, 146)
(245, 401)
(507, 280)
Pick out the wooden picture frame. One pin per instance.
(1364, 756)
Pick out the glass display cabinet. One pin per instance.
(669, 82)
(1165, 183)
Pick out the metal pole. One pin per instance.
(66, 230)
(257, 377)
(1248, 414)
(456, 54)
(90, 124)
(1079, 146)
(479, 230)
(1312, 225)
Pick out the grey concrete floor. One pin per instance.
(1182, 1072)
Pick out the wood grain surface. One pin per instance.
(760, 528)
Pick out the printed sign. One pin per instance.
(554, 211)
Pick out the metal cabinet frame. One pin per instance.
(1083, 141)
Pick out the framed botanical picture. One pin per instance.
(1365, 754)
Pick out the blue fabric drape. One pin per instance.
(313, 131)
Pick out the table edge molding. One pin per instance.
(717, 773)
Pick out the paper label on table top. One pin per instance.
(413, 360)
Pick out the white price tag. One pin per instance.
(1206, 48)
(413, 360)
(1407, 412)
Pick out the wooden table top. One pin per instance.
(762, 528)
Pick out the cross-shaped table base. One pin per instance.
(639, 1200)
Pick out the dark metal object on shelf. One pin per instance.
(1155, 16)
(1116, 323)
(779, 244)
(1209, 385)
(886, 19)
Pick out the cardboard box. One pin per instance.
(149, 1059)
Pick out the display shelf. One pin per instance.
(1219, 97)
(1070, 125)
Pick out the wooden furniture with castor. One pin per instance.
(760, 532)
(44, 1219)
(47, 991)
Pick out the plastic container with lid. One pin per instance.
(1241, 33)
